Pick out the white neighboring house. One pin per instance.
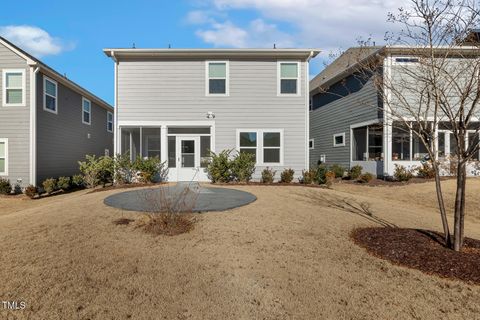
(179, 104)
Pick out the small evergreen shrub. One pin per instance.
(402, 174)
(77, 181)
(309, 176)
(425, 171)
(355, 172)
(148, 169)
(321, 172)
(106, 166)
(63, 183)
(31, 191)
(243, 167)
(49, 185)
(287, 175)
(365, 177)
(5, 186)
(330, 177)
(220, 167)
(268, 175)
(338, 170)
(124, 171)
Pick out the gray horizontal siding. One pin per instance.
(15, 122)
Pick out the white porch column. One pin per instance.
(387, 148)
(163, 143)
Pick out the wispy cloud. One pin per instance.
(34, 40)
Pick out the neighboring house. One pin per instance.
(349, 124)
(47, 122)
(179, 104)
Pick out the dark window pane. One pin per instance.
(338, 140)
(271, 139)
(86, 117)
(400, 142)
(288, 86)
(359, 144)
(188, 130)
(188, 153)
(251, 151)
(441, 144)
(204, 151)
(473, 139)
(375, 143)
(271, 155)
(453, 145)
(172, 163)
(217, 86)
(50, 103)
(248, 139)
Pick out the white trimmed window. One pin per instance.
(311, 144)
(339, 140)
(50, 95)
(13, 87)
(3, 157)
(86, 111)
(217, 75)
(288, 78)
(265, 144)
(109, 122)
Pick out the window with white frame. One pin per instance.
(339, 140)
(50, 95)
(86, 111)
(13, 87)
(3, 157)
(266, 145)
(311, 144)
(288, 78)
(217, 78)
(109, 122)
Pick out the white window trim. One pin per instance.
(89, 111)
(313, 144)
(279, 79)
(227, 79)
(4, 88)
(45, 95)
(259, 148)
(5, 140)
(108, 121)
(335, 144)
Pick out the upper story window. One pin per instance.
(50, 95)
(109, 122)
(3, 157)
(13, 87)
(217, 78)
(86, 111)
(288, 78)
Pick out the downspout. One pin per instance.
(307, 107)
(34, 69)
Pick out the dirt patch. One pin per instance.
(423, 250)
(167, 224)
(122, 221)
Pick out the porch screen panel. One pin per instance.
(359, 147)
(400, 142)
(151, 142)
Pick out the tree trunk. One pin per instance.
(460, 206)
(441, 206)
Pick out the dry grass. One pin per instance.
(287, 255)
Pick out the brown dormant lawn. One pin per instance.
(286, 256)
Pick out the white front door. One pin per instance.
(188, 158)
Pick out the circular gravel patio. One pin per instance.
(182, 197)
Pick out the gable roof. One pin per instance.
(32, 61)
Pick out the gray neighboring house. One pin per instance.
(47, 122)
(349, 124)
(180, 103)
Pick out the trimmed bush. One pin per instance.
(148, 168)
(338, 170)
(105, 170)
(321, 174)
(268, 175)
(355, 172)
(425, 171)
(309, 176)
(124, 170)
(243, 167)
(5, 186)
(365, 177)
(77, 181)
(287, 175)
(220, 167)
(402, 174)
(96, 171)
(330, 177)
(31, 191)
(49, 185)
(63, 183)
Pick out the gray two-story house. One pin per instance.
(47, 122)
(358, 119)
(179, 104)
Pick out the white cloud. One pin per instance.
(34, 40)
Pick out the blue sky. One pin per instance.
(70, 35)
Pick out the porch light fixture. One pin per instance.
(210, 115)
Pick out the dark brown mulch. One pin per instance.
(122, 221)
(168, 224)
(273, 184)
(125, 186)
(422, 250)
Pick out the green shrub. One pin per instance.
(31, 191)
(268, 175)
(124, 169)
(105, 170)
(287, 175)
(330, 177)
(220, 167)
(309, 176)
(338, 170)
(402, 174)
(355, 172)
(63, 183)
(365, 177)
(77, 181)
(147, 168)
(321, 172)
(5, 186)
(96, 171)
(49, 185)
(243, 167)
(425, 171)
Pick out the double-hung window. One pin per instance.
(217, 78)
(109, 122)
(248, 143)
(3, 157)
(50, 95)
(86, 111)
(13, 87)
(288, 78)
(266, 145)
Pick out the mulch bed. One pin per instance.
(422, 250)
(125, 186)
(274, 184)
